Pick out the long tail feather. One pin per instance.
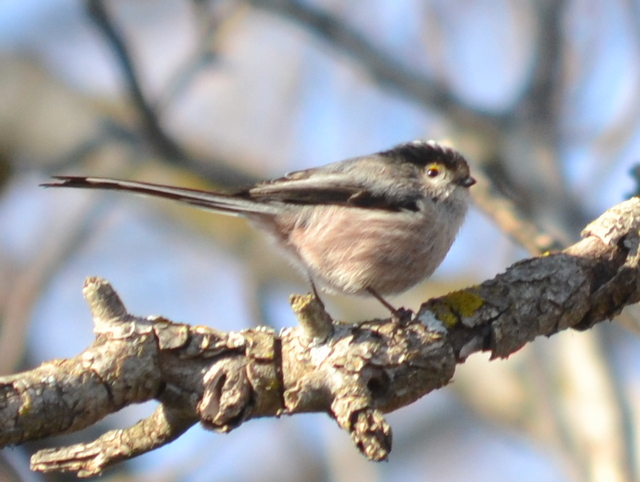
(219, 202)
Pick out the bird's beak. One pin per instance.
(466, 181)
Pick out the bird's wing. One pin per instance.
(313, 186)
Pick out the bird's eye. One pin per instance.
(433, 171)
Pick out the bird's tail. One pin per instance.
(233, 204)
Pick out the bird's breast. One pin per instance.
(350, 250)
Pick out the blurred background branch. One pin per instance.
(542, 97)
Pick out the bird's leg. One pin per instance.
(384, 302)
(398, 313)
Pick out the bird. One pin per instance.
(373, 225)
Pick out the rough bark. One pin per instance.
(354, 372)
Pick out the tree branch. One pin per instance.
(510, 219)
(102, 19)
(382, 67)
(355, 373)
(153, 131)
